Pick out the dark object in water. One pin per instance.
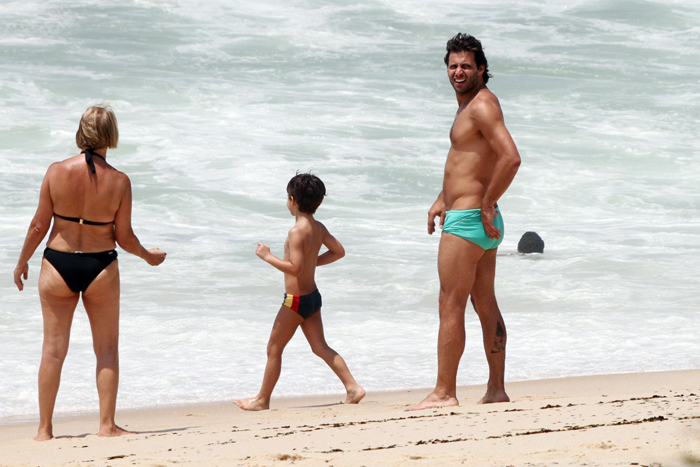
(530, 242)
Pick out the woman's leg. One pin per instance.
(101, 300)
(313, 330)
(58, 304)
(283, 330)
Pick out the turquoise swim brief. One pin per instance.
(467, 224)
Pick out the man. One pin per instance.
(481, 164)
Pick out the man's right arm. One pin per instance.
(437, 209)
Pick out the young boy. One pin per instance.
(302, 301)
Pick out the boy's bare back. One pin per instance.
(303, 243)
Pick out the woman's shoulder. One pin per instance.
(59, 168)
(73, 169)
(120, 182)
(120, 176)
(66, 164)
(78, 163)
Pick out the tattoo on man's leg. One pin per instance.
(500, 342)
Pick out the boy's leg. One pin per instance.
(313, 330)
(282, 332)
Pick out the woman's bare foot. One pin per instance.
(114, 430)
(433, 401)
(253, 404)
(355, 395)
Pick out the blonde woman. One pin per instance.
(90, 204)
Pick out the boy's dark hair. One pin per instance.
(307, 190)
(466, 43)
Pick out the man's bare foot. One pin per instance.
(43, 436)
(433, 401)
(114, 430)
(355, 395)
(499, 396)
(253, 404)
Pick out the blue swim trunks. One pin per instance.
(467, 224)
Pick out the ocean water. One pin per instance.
(220, 103)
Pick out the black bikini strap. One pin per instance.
(80, 221)
(89, 154)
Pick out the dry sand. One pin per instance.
(634, 419)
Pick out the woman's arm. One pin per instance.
(124, 234)
(38, 229)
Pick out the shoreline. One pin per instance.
(642, 418)
(287, 401)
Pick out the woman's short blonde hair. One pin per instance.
(98, 128)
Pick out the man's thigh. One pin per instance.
(485, 274)
(457, 265)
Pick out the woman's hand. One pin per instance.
(155, 257)
(19, 272)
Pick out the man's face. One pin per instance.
(463, 72)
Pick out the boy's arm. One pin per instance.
(335, 250)
(295, 264)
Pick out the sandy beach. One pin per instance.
(633, 419)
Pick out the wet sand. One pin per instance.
(633, 419)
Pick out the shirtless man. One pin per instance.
(481, 164)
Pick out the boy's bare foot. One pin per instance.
(253, 404)
(490, 398)
(114, 430)
(355, 395)
(433, 401)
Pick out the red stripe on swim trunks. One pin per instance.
(291, 301)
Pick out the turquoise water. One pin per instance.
(220, 103)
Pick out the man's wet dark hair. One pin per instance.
(466, 43)
(307, 190)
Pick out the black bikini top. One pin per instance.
(81, 221)
(89, 154)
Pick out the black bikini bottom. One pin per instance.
(79, 269)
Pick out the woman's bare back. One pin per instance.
(76, 192)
